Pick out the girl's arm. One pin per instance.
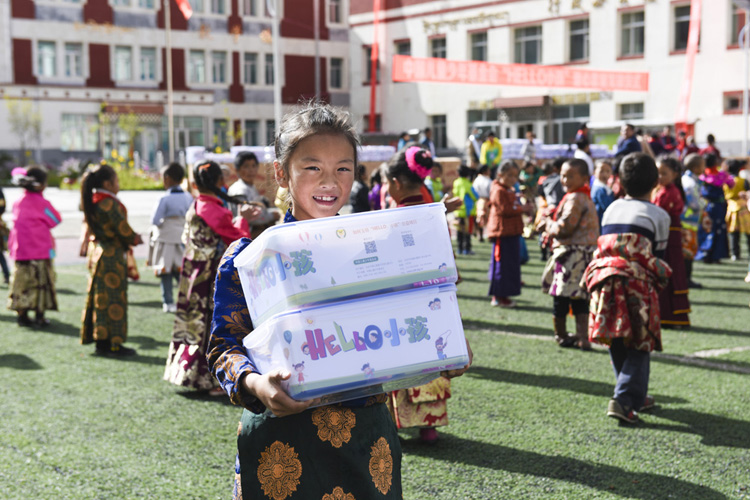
(220, 220)
(227, 357)
(53, 217)
(119, 220)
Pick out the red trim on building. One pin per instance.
(178, 69)
(139, 109)
(631, 8)
(234, 23)
(236, 91)
(178, 20)
(365, 6)
(628, 58)
(98, 11)
(22, 9)
(99, 67)
(298, 21)
(300, 84)
(23, 62)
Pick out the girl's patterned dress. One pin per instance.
(105, 316)
(344, 451)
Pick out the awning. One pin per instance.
(519, 102)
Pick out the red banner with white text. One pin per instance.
(414, 69)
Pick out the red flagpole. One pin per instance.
(374, 63)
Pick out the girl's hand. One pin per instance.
(267, 388)
(460, 371)
(138, 240)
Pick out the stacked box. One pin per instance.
(354, 305)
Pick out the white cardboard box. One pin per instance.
(363, 346)
(324, 260)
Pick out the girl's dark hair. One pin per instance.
(675, 166)
(93, 178)
(465, 171)
(734, 166)
(34, 180)
(483, 169)
(206, 175)
(242, 157)
(312, 118)
(399, 169)
(638, 174)
(174, 171)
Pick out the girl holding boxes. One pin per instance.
(344, 450)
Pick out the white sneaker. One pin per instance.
(165, 308)
(172, 308)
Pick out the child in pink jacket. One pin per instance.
(32, 247)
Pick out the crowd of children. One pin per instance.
(619, 247)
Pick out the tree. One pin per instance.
(26, 123)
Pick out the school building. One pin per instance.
(95, 72)
(630, 36)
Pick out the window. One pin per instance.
(197, 67)
(121, 3)
(438, 48)
(738, 22)
(366, 123)
(79, 133)
(46, 59)
(250, 68)
(732, 102)
(478, 46)
(221, 134)
(146, 4)
(439, 131)
(218, 67)
(335, 16)
(368, 66)
(566, 120)
(148, 64)
(218, 7)
(188, 131)
(123, 63)
(270, 132)
(632, 34)
(197, 5)
(681, 26)
(528, 45)
(73, 60)
(252, 132)
(579, 40)
(631, 111)
(269, 69)
(336, 79)
(249, 8)
(403, 48)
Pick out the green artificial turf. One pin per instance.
(528, 421)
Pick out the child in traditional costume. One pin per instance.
(168, 222)
(574, 228)
(425, 406)
(601, 193)
(344, 450)
(463, 190)
(712, 231)
(32, 247)
(624, 280)
(4, 233)
(738, 217)
(209, 228)
(105, 317)
(691, 185)
(673, 299)
(504, 229)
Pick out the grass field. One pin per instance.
(528, 421)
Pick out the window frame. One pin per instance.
(66, 60)
(676, 33)
(631, 115)
(268, 69)
(342, 12)
(481, 45)
(190, 67)
(585, 34)
(633, 27)
(224, 61)
(397, 44)
(245, 66)
(521, 38)
(341, 73)
(439, 39)
(246, 131)
(141, 64)
(41, 53)
(439, 131)
(115, 65)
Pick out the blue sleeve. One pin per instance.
(227, 358)
(159, 212)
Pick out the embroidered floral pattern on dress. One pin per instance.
(381, 465)
(338, 494)
(279, 471)
(334, 423)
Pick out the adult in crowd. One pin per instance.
(583, 152)
(528, 150)
(628, 142)
(427, 141)
(473, 148)
(711, 148)
(491, 153)
(582, 133)
(668, 142)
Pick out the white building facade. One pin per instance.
(629, 36)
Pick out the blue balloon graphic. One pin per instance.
(288, 337)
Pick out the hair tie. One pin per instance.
(204, 166)
(415, 157)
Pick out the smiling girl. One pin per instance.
(337, 451)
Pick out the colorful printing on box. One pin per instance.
(363, 346)
(324, 260)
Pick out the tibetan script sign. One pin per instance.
(414, 69)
